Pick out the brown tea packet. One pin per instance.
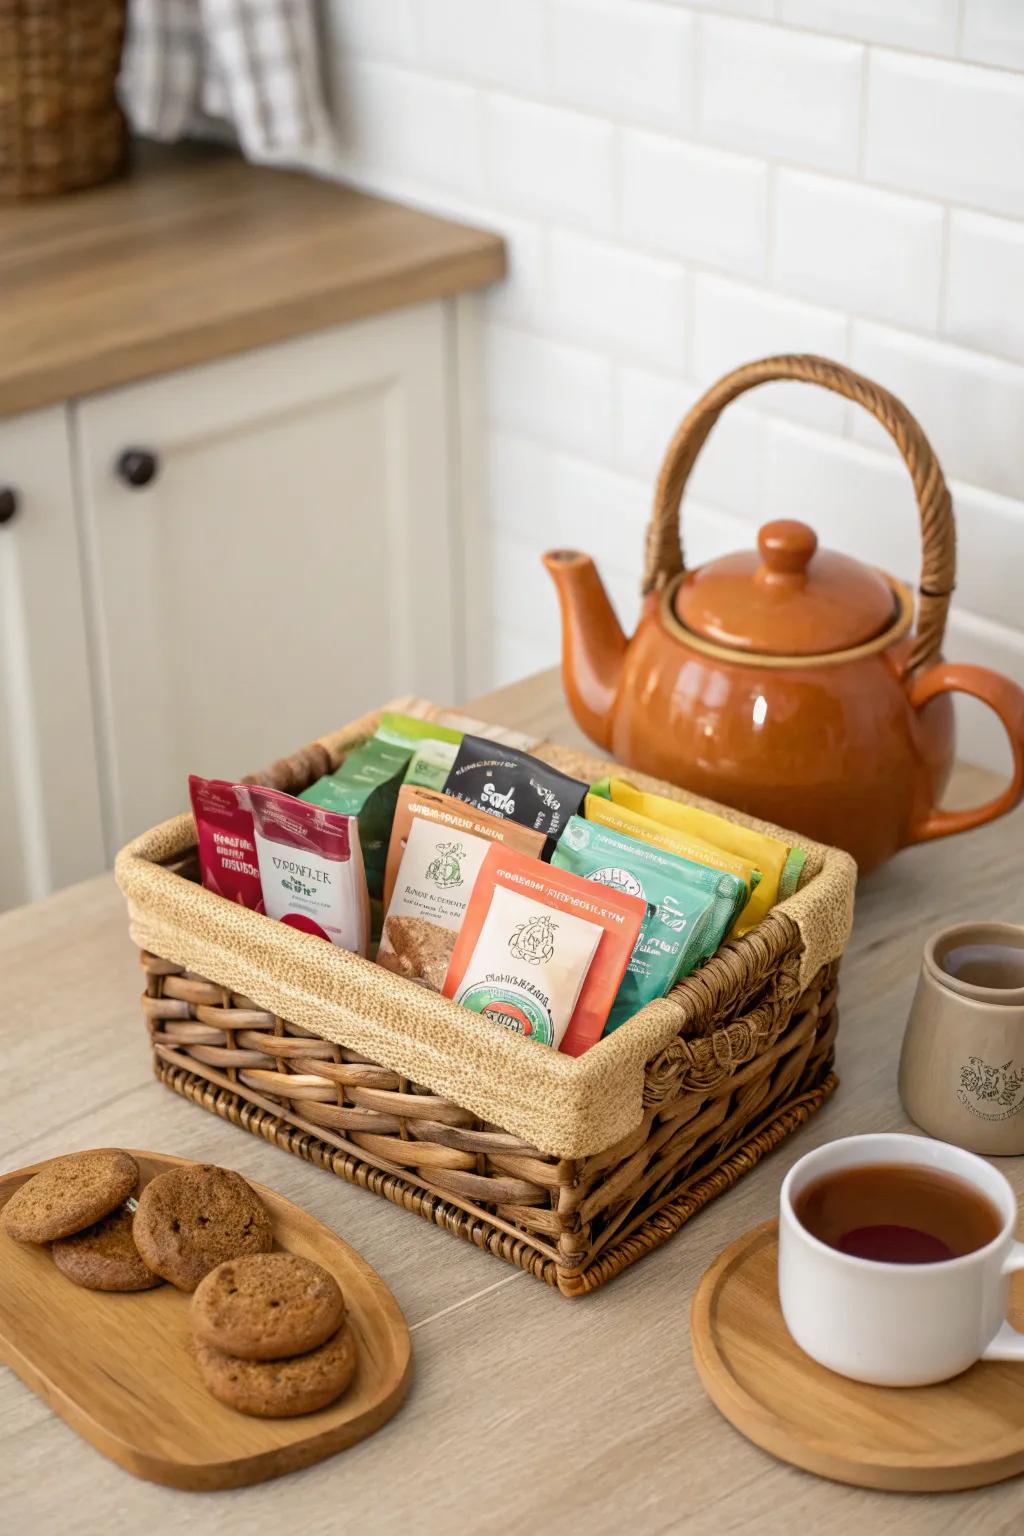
(458, 818)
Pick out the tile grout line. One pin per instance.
(695, 138)
(397, 185)
(376, 54)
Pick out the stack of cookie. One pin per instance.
(83, 1205)
(183, 1224)
(271, 1335)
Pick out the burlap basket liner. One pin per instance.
(565, 1107)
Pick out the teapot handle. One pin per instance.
(663, 555)
(1008, 702)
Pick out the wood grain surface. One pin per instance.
(120, 1368)
(196, 255)
(963, 1433)
(528, 1412)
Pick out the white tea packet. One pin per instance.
(434, 882)
(311, 868)
(528, 966)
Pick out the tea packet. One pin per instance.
(227, 849)
(689, 907)
(513, 785)
(311, 868)
(366, 786)
(433, 746)
(409, 730)
(458, 820)
(780, 866)
(528, 967)
(682, 845)
(550, 959)
(435, 879)
(431, 763)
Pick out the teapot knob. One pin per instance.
(786, 547)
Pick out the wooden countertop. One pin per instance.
(195, 255)
(528, 1412)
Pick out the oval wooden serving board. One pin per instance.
(119, 1368)
(962, 1433)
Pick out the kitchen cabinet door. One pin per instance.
(50, 832)
(268, 551)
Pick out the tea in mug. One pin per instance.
(985, 965)
(898, 1213)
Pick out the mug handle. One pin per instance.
(1008, 1343)
(1008, 702)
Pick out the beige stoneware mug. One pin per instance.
(962, 1065)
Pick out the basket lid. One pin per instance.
(788, 599)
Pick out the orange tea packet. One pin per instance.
(455, 816)
(538, 943)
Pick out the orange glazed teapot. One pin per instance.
(794, 683)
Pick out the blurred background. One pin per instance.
(276, 454)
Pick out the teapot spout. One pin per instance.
(593, 645)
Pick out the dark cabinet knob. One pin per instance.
(137, 467)
(8, 503)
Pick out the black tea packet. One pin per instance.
(515, 786)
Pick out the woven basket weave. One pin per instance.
(570, 1168)
(60, 125)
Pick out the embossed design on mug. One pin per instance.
(991, 1093)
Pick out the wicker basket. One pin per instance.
(570, 1168)
(60, 125)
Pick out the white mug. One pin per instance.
(898, 1325)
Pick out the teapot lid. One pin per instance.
(795, 600)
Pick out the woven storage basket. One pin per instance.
(60, 125)
(570, 1168)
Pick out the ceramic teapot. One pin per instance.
(793, 683)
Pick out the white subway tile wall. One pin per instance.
(684, 185)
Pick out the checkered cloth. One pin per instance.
(252, 62)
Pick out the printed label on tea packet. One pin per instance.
(436, 876)
(528, 966)
(513, 785)
(508, 1002)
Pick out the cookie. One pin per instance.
(191, 1219)
(104, 1257)
(280, 1389)
(69, 1194)
(267, 1306)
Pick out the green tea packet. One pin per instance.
(366, 785)
(690, 907)
(434, 747)
(431, 763)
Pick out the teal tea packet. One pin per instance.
(690, 907)
(366, 785)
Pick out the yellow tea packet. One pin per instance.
(777, 865)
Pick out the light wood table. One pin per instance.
(529, 1412)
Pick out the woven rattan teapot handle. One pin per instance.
(664, 555)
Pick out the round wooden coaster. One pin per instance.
(962, 1433)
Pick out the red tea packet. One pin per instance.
(227, 847)
(311, 868)
(531, 945)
